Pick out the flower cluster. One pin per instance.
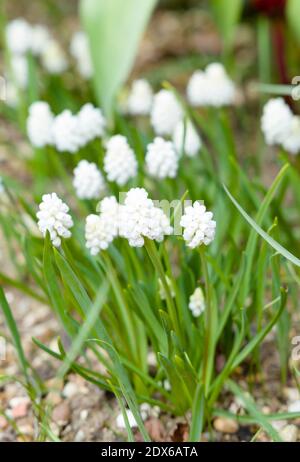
(67, 132)
(161, 159)
(280, 126)
(120, 163)
(199, 226)
(211, 87)
(166, 112)
(100, 230)
(39, 124)
(53, 216)
(22, 38)
(139, 219)
(88, 181)
(80, 51)
(140, 98)
(197, 302)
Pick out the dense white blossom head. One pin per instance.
(198, 224)
(276, 121)
(166, 112)
(19, 69)
(91, 123)
(213, 87)
(18, 36)
(53, 58)
(100, 230)
(53, 216)
(40, 38)
(65, 131)
(186, 139)
(197, 302)
(88, 181)
(292, 141)
(39, 124)
(80, 51)
(140, 98)
(120, 163)
(139, 219)
(161, 159)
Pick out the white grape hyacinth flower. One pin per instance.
(18, 36)
(120, 163)
(88, 181)
(80, 51)
(161, 159)
(140, 98)
(53, 58)
(213, 87)
(199, 226)
(166, 112)
(276, 121)
(91, 123)
(39, 124)
(186, 139)
(100, 230)
(292, 141)
(40, 37)
(19, 68)
(197, 302)
(140, 219)
(53, 216)
(65, 131)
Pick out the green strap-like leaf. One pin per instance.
(114, 29)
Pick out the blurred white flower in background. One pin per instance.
(162, 292)
(80, 51)
(166, 112)
(199, 226)
(88, 181)
(18, 36)
(292, 140)
(120, 163)
(197, 302)
(91, 123)
(19, 70)
(66, 134)
(213, 87)
(161, 159)
(186, 139)
(139, 218)
(140, 98)
(53, 216)
(53, 58)
(276, 121)
(40, 37)
(39, 124)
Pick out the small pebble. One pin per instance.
(61, 414)
(84, 414)
(19, 407)
(70, 389)
(79, 436)
(294, 407)
(225, 425)
(289, 433)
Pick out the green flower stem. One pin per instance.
(155, 258)
(122, 303)
(209, 322)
